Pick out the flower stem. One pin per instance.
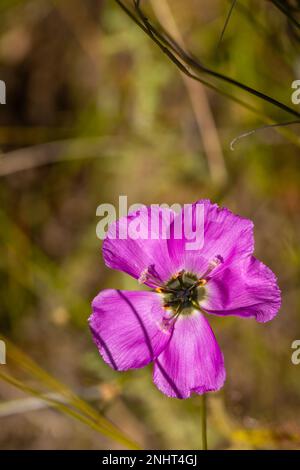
(204, 423)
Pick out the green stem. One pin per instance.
(204, 423)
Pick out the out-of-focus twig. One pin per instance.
(52, 152)
(198, 98)
(25, 405)
(288, 10)
(253, 131)
(186, 62)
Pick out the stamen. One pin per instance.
(195, 305)
(165, 325)
(147, 275)
(168, 322)
(213, 264)
(165, 290)
(200, 283)
(143, 276)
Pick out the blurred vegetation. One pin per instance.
(95, 110)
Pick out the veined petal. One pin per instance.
(226, 237)
(246, 289)
(126, 327)
(192, 361)
(149, 251)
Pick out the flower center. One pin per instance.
(183, 292)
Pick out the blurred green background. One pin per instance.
(95, 110)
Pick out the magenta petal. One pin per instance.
(192, 361)
(245, 289)
(226, 237)
(126, 327)
(149, 251)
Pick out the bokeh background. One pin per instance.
(95, 110)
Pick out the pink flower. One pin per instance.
(168, 325)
